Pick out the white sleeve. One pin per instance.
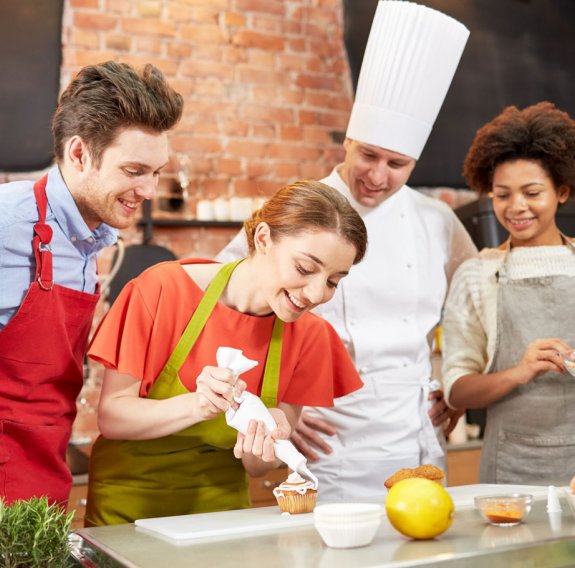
(462, 247)
(237, 248)
(465, 341)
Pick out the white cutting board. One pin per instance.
(228, 524)
(184, 529)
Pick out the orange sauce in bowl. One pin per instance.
(497, 516)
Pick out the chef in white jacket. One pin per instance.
(388, 307)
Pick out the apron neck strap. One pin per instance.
(200, 317)
(42, 238)
(270, 384)
(197, 322)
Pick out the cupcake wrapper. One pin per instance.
(295, 503)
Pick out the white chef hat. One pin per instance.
(410, 59)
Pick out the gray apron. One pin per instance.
(530, 433)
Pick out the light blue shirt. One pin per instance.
(74, 246)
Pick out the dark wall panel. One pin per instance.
(519, 52)
(30, 48)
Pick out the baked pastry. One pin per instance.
(296, 495)
(426, 470)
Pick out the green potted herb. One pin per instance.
(34, 534)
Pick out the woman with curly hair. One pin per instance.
(509, 311)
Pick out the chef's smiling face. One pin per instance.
(372, 173)
(128, 173)
(301, 271)
(525, 202)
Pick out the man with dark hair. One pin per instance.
(110, 142)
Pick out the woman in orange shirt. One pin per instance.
(165, 448)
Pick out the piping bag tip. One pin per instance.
(304, 471)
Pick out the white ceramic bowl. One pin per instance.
(348, 511)
(347, 525)
(347, 534)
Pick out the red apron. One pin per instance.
(41, 373)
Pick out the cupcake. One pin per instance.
(296, 495)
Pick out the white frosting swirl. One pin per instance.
(294, 482)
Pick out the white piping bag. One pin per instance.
(252, 408)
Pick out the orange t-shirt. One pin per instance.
(145, 323)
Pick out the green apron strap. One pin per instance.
(200, 317)
(271, 379)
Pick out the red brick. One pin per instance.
(258, 187)
(146, 44)
(250, 75)
(193, 68)
(293, 152)
(179, 13)
(229, 167)
(219, 4)
(149, 8)
(234, 54)
(264, 24)
(84, 3)
(291, 27)
(261, 113)
(314, 170)
(265, 59)
(289, 132)
(201, 144)
(118, 41)
(214, 187)
(263, 94)
(246, 149)
(292, 61)
(199, 125)
(202, 34)
(209, 52)
(93, 21)
(119, 6)
(248, 38)
(210, 88)
(266, 6)
(81, 57)
(230, 126)
(291, 96)
(205, 15)
(233, 19)
(148, 26)
(265, 131)
(287, 170)
(258, 169)
(179, 50)
(85, 38)
(296, 44)
(315, 134)
(317, 82)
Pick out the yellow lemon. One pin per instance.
(419, 508)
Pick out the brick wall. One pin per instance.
(266, 87)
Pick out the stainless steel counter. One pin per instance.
(540, 541)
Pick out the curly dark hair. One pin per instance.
(539, 132)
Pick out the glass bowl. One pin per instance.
(504, 510)
(568, 358)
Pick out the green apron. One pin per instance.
(192, 471)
